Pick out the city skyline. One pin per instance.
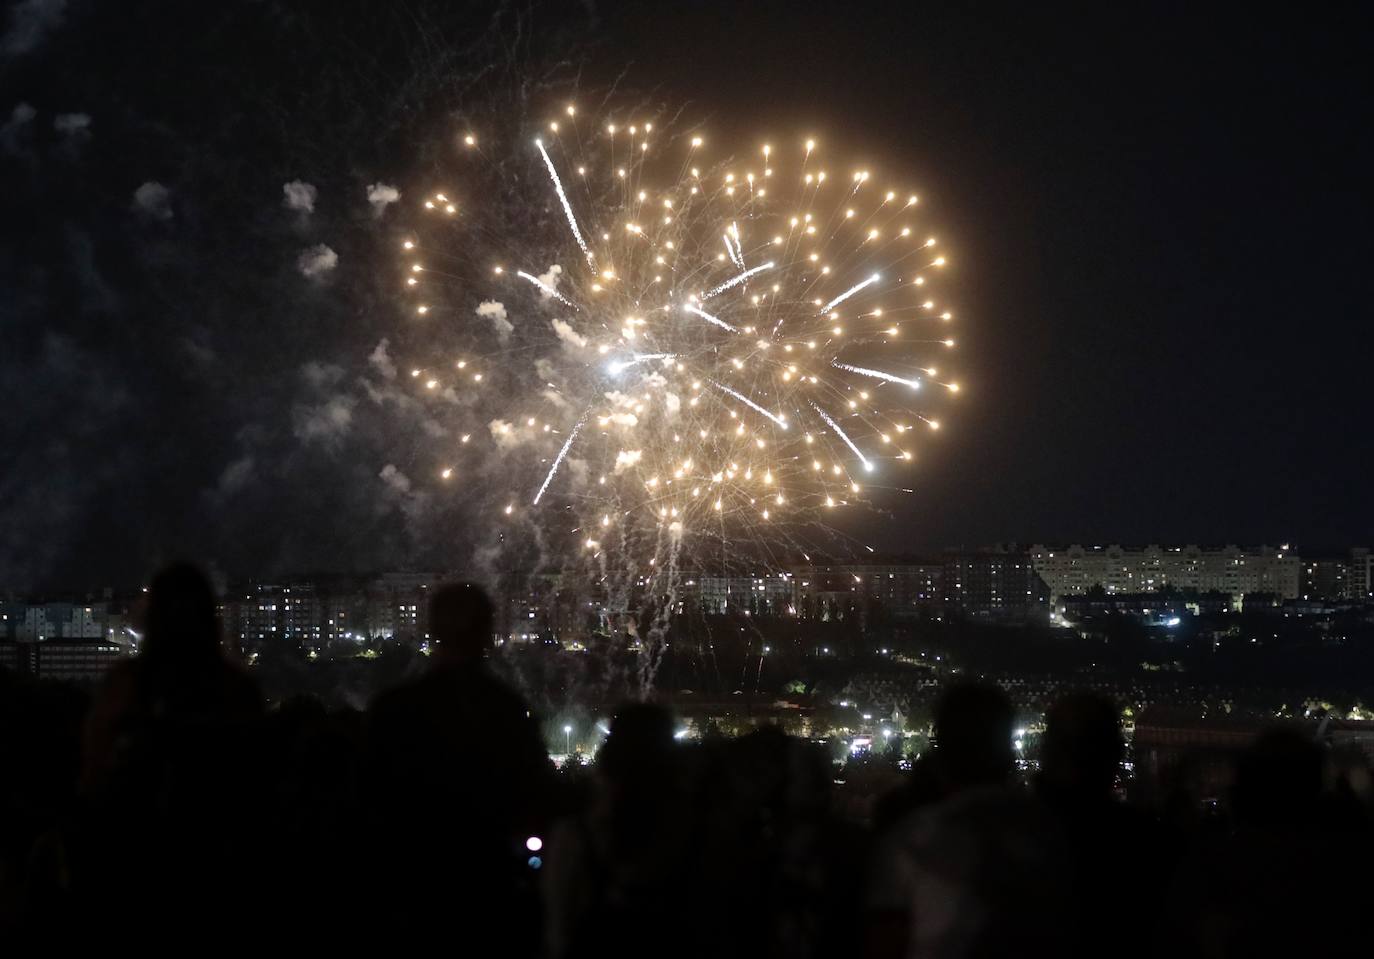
(1355, 555)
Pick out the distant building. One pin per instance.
(1349, 577)
(905, 589)
(1360, 582)
(1234, 570)
(544, 607)
(1325, 579)
(995, 584)
(760, 594)
(11, 615)
(1155, 608)
(73, 659)
(395, 606)
(343, 615)
(61, 621)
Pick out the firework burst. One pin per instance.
(695, 354)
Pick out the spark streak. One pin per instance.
(546, 288)
(558, 460)
(781, 421)
(563, 198)
(736, 281)
(849, 292)
(843, 435)
(732, 246)
(620, 365)
(876, 374)
(690, 308)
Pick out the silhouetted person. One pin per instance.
(1278, 785)
(973, 737)
(459, 779)
(181, 676)
(976, 873)
(313, 758)
(787, 877)
(619, 870)
(1080, 760)
(40, 764)
(972, 748)
(1289, 880)
(1081, 750)
(169, 777)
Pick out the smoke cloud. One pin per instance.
(316, 261)
(496, 313)
(153, 200)
(382, 195)
(300, 196)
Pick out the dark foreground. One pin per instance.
(173, 810)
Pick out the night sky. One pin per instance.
(1158, 223)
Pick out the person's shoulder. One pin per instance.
(478, 679)
(979, 800)
(117, 690)
(973, 808)
(122, 674)
(242, 686)
(393, 698)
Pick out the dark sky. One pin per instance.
(1159, 223)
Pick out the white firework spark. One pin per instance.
(563, 198)
(842, 435)
(736, 281)
(877, 374)
(698, 311)
(557, 462)
(548, 290)
(850, 292)
(780, 420)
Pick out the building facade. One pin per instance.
(80, 659)
(996, 585)
(1234, 570)
(906, 589)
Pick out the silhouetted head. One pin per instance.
(1278, 780)
(1081, 749)
(460, 622)
(180, 621)
(641, 741)
(973, 725)
(762, 759)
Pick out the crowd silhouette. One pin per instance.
(174, 808)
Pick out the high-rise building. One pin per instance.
(1360, 579)
(545, 607)
(1325, 578)
(759, 594)
(906, 589)
(1234, 570)
(61, 621)
(996, 584)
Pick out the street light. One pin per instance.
(567, 735)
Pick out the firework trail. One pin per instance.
(877, 375)
(557, 462)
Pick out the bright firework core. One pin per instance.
(724, 350)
